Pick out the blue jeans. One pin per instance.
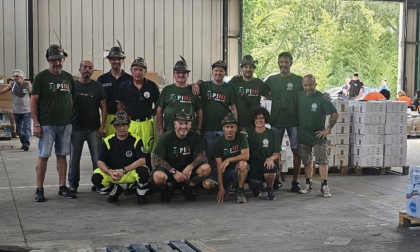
(292, 132)
(78, 138)
(209, 137)
(23, 127)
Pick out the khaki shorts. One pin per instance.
(320, 151)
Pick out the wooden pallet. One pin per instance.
(408, 221)
(382, 170)
(174, 245)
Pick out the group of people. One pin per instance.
(210, 133)
(354, 89)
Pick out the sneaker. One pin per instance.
(277, 185)
(105, 190)
(232, 190)
(141, 192)
(256, 193)
(165, 195)
(115, 193)
(72, 189)
(295, 186)
(241, 196)
(325, 191)
(25, 147)
(306, 189)
(39, 195)
(130, 190)
(270, 193)
(66, 193)
(188, 193)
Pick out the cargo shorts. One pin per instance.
(319, 151)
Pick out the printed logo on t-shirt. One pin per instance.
(183, 151)
(216, 96)
(248, 91)
(63, 86)
(146, 94)
(289, 86)
(265, 143)
(128, 153)
(232, 151)
(180, 98)
(314, 107)
(109, 84)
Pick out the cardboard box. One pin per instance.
(5, 104)
(372, 161)
(330, 139)
(353, 106)
(396, 107)
(396, 139)
(352, 138)
(342, 128)
(413, 206)
(367, 150)
(283, 155)
(153, 76)
(377, 107)
(369, 118)
(342, 150)
(330, 150)
(266, 104)
(369, 139)
(395, 161)
(342, 139)
(395, 129)
(344, 117)
(331, 161)
(3, 80)
(284, 166)
(341, 160)
(400, 118)
(341, 106)
(368, 129)
(395, 150)
(285, 141)
(7, 96)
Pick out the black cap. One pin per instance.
(356, 74)
(139, 62)
(248, 60)
(120, 117)
(229, 118)
(181, 65)
(55, 52)
(219, 63)
(116, 52)
(183, 116)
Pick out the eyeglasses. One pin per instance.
(15, 76)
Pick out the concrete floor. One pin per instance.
(362, 215)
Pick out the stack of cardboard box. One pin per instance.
(395, 145)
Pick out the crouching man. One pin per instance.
(180, 159)
(122, 161)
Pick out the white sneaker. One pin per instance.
(306, 189)
(325, 191)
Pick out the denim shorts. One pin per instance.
(59, 136)
(292, 132)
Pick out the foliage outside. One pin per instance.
(328, 38)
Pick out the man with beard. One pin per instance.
(88, 124)
(217, 100)
(313, 109)
(177, 97)
(180, 159)
(111, 81)
(248, 90)
(51, 106)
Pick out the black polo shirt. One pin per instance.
(139, 103)
(112, 85)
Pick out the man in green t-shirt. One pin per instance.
(249, 91)
(284, 88)
(231, 153)
(177, 97)
(264, 152)
(217, 100)
(180, 159)
(51, 107)
(313, 109)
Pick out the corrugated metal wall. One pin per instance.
(158, 30)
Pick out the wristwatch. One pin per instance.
(172, 171)
(125, 170)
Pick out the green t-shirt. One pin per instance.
(177, 152)
(262, 145)
(284, 93)
(173, 100)
(312, 115)
(216, 101)
(225, 149)
(55, 97)
(248, 97)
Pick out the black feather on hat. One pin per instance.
(181, 65)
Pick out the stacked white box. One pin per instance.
(395, 133)
(367, 133)
(338, 141)
(286, 160)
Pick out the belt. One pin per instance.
(140, 120)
